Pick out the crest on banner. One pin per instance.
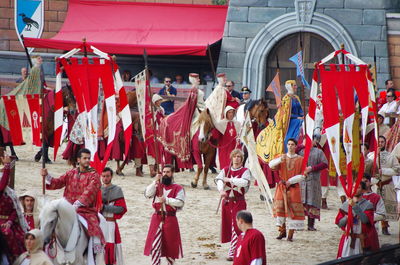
(29, 19)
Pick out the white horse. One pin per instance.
(59, 217)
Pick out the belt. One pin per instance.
(110, 219)
(168, 213)
(5, 217)
(234, 199)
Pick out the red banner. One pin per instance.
(14, 121)
(35, 110)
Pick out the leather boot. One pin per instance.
(343, 198)
(153, 172)
(139, 172)
(290, 235)
(311, 222)
(324, 204)
(385, 228)
(282, 232)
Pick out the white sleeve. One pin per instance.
(150, 190)
(275, 162)
(257, 261)
(388, 171)
(296, 179)
(220, 180)
(244, 181)
(177, 202)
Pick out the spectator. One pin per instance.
(230, 85)
(168, 90)
(389, 84)
(179, 80)
(127, 76)
(24, 75)
(153, 79)
(246, 93)
(391, 107)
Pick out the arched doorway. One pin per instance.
(314, 49)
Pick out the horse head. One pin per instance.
(259, 111)
(48, 219)
(206, 125)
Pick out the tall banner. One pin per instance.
(35, 114)
(14, 120)
(142, 86)
(29, 19)
(275, 87)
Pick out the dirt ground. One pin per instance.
(199, 224)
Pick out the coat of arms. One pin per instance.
(29, 19)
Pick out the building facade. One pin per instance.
(259, 34)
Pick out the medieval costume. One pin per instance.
(233, 202)
(296, 113)
(226, 134)
(288, 208)
(311, 187)
(32, 219)
(114, 207)
(11, 215)
(81, 189)
(250, 247)
(379, 205)
(164, 238)
(363, 235)
(36, 256)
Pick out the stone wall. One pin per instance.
(364, 22)
(54, 15)
(393, 22)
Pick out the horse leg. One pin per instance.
(207, 164)
(196, 177)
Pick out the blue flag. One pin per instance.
(297, 59)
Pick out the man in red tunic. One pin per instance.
(82, 185)
(375, 199)
(164, 238)
(12, 222)
(251, 244)
(114, 207)
(232, 183)
(363, 236)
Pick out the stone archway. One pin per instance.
(255, 61)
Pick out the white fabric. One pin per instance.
(258, 261)
(347, 250)
(388, 108)
(275, 162)
(110, 235)
(296, 179)
(324, 191)
(244, 181)
(25, 262)
(290, 223)
(155, 98)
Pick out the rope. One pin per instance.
(50, 246)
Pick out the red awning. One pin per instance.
(128, 28)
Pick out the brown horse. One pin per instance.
(207, 150)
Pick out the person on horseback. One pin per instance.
(30, 208)
(232, 183)
(82, 185)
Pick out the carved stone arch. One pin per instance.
(254, 68)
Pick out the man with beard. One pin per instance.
(82, 185)
(163, 238)
(114, 207)
(30, 209)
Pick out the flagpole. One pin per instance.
(303, 93)
(146, 67)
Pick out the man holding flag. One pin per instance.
(164, 238)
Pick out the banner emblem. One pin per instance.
(29, 19)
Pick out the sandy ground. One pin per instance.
(199, 224)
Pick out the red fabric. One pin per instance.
(35, 110)
(174, 133)
(231, 101)
(226, 144)
(161, 29)
(30, 221)
(14, 122)
(250, 246)
(83, 187)
(373, 197)
(171, 245)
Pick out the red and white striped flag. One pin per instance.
(58, 110)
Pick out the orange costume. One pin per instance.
(287, 201)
